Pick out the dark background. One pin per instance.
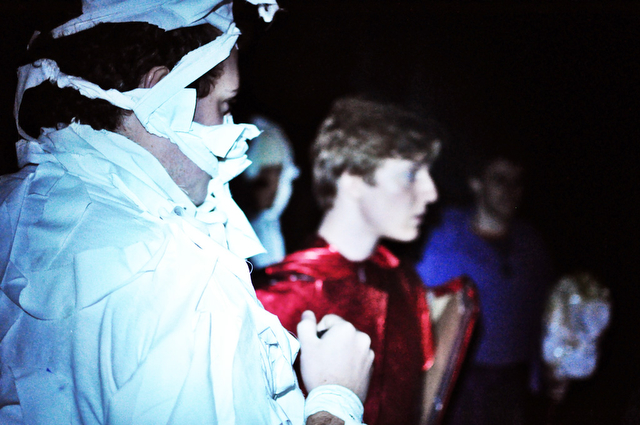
(556, 81)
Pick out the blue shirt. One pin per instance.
(512, 275)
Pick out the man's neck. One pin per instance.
(489, 226)
(348, 235)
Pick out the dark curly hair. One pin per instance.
(359, 133)
(111, 55)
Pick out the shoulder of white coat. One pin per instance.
(65, 244)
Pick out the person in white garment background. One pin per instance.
(125, 297)
(269, 183)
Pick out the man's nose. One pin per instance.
(427, 188)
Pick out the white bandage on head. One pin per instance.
(166, 109)
(167, 14)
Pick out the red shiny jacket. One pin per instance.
(380, 297)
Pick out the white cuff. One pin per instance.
(337, 400)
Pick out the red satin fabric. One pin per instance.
(380, 297)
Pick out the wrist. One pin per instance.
(336, 400)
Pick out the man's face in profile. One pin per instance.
(265, 186)
(395, 205)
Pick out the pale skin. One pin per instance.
(391, 208)
(343, 355)
(317, 350)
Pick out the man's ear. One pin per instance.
(351, 184)
(152, 77)
(475, 185)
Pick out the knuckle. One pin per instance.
(348, 327)
(333, 318)
(364, 339)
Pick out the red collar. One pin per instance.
(324, 260)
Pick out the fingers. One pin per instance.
(364, 342)
(308, 315)
(307, 328)
(370, 358)
(343, 356)
(308, 325)
(329, 321)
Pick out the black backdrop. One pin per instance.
(557, 81)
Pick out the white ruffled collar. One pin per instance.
(154, 191)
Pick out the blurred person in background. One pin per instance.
(506, 259)
(371, 165)
(267, 186)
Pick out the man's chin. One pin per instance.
(408, 236)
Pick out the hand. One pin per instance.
(342, 356)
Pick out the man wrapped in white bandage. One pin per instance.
(125, 295)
